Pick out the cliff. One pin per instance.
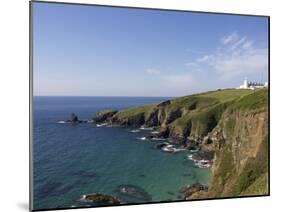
(189, 117)
(240, 165)
(230, 124)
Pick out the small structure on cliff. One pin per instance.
(252, 85)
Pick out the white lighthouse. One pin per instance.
(252, 85)
(245, 84)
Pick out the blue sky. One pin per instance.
(102, 51)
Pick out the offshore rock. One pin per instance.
(100, 199)
(134, 192)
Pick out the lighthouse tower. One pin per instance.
(252, 85)
(245, 84)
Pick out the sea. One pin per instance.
(72, 160)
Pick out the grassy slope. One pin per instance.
(256, 101)
(227, 94)
(134, 111)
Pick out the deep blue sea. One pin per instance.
(72, 160)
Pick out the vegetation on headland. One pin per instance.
(231, 123)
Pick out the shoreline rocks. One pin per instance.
(203, 155)
(133, 191)
(191, 189)
(169, 147)
(100, 199)
(202, 158)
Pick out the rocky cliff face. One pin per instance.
(240, 141)
(241, 147)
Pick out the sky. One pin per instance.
(103, 51)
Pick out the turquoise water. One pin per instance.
(70, 161)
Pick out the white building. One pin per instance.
(252, 85)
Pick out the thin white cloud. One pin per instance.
(245, 63)
(152, 71)
(206, 58)
(237, 57)
(230, 38)
(238, 43)
(247, 44)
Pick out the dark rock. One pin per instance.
(104, 115)
(133, 191)
(192, 148)
(162, 104)
(203, 155)
(160, 145)
(100, 199)
(191, 145)
(133, 121)
(74, 118)
(176, 138)
(190, 189)
(207, 141)
(164, 132)
(149, 137)
(172, 116)
(153, 137)
(152, 119)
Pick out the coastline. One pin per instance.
(201, 123)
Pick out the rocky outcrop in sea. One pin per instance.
(100, 199)
(133, 193)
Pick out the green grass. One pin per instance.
(258, 187)
(192, 102)
(227, 94)
(258, 101)
(134, 111)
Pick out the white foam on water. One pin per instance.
(145, 128)
(142, 138)
(102, 125)
(135, 131)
